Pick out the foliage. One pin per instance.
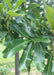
(3, 70)
(50, 17)
(23, 26)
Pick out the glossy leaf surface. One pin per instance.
(1, 7)
(26, 58)
(19, 30)
(33, 5)
(48, 67)
(39, 57)
(8, 2)
(2, 34)
(12, 13)
(13, 47)
(18, 3)
(50, 16)
(42, 39)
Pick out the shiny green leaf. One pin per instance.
(50, 16)
(12, 13)
(18, 29)
(28, 28)
(48, 67)
(1, 7)
(8, 2)
(2, 34)
(39, 57)
(33, 5)
(42, 39)
(18, 3)
(26, 58)
(13, 47)
(31, 16)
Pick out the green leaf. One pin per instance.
(28, 28)
(18, 3)
(13, 47)
(8, 2)
(9, 38)
(2, 34)
(31, 16)
(23, 28)
(50, 16)
(1, 7)
(48, 67)
(33, 5)
(12, 13)
(36, 13)
(18, 29)
(26, 58)
(39, 57)
(42, 39)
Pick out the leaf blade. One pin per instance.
(48, 67)
(13, 47)
(50, 16)
(12, 13)
(1, 7)
(42, 39)
(26, 58)
(20, 30)
(19, 2)
(33, 5)
(39, 57)
(8, 2)
(2, 34)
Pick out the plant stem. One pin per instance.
(16, 63)
(7, 19)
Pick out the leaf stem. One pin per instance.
(7, 18)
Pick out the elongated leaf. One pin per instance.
(12, 13)
(36, 12)
(33, 5)
(8, 2)
(1, 7)
(29, 31)
(19, 2)
(31, 16)
(26, 58)
(19, 30)
(28, 28)
(50, 16)
(2, 34)
(39, 57)
(25, 27)
(42, 39)
(13, 47)
(48, 68)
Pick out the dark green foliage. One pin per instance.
(23, 26)
(3, 70)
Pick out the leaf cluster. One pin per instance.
(23, 26)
